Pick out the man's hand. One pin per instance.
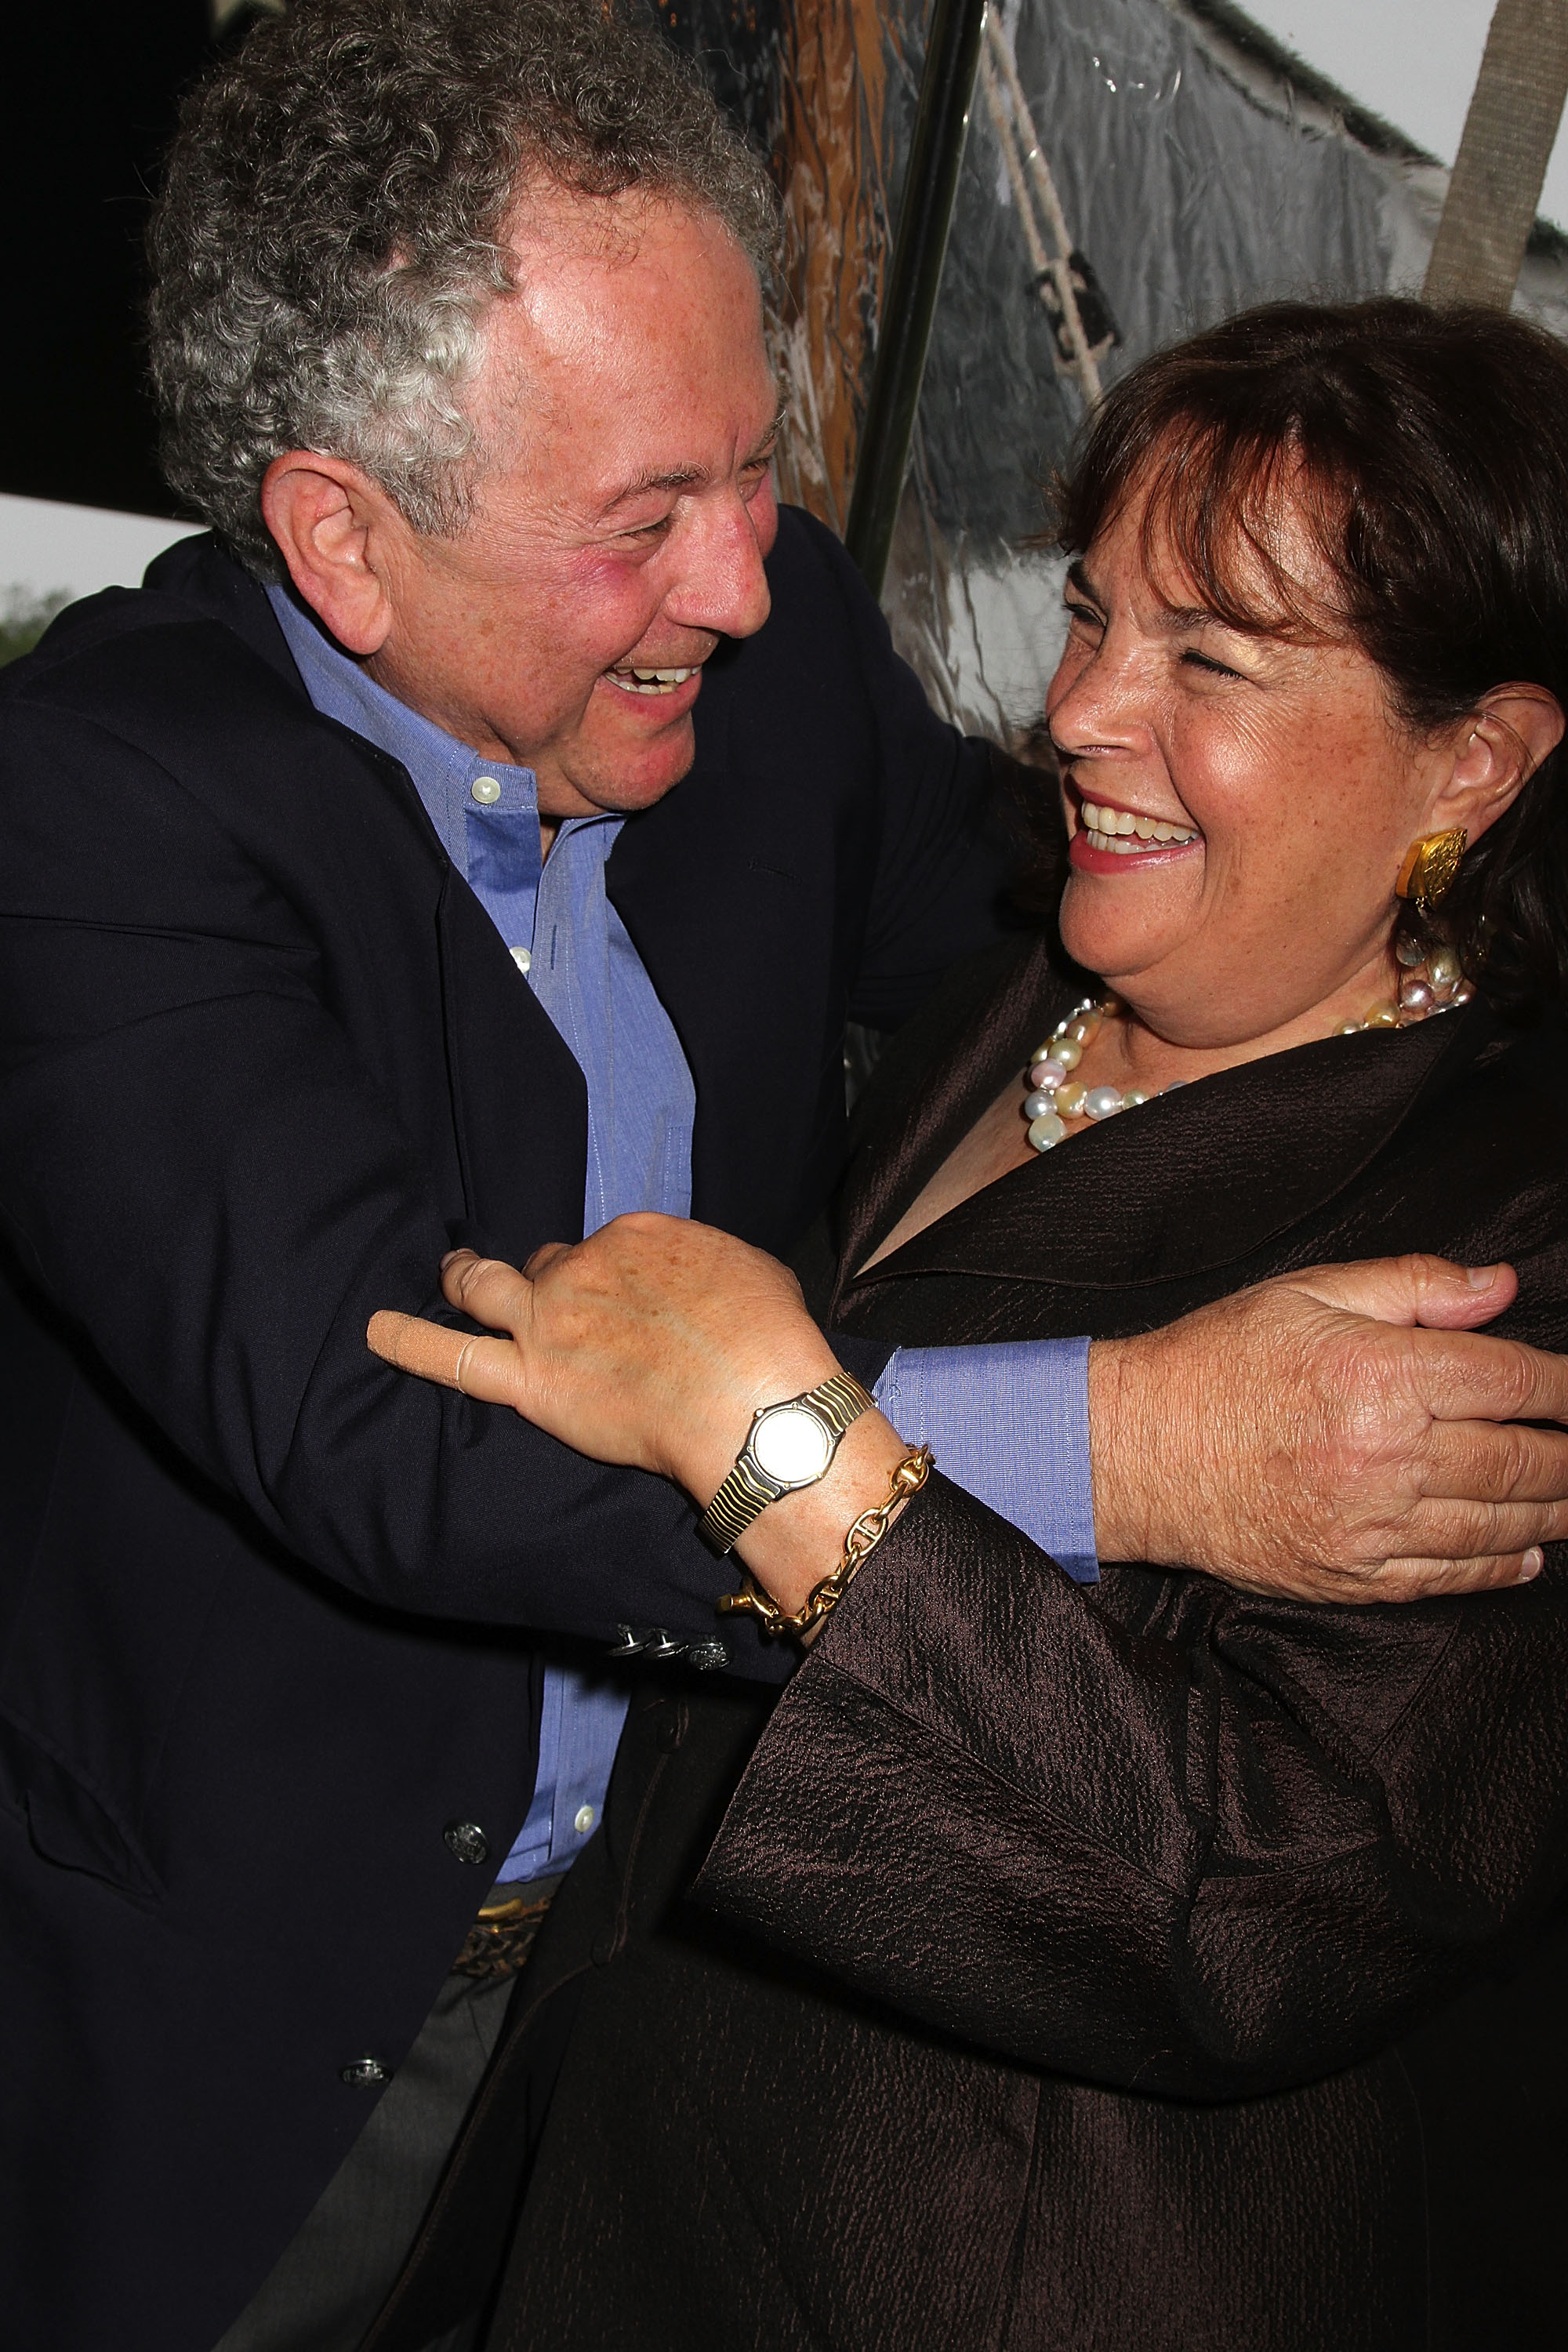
(1308, 1437)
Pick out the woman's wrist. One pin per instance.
(709, 1426)
(799, 1540)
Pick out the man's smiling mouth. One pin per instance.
(649, 681)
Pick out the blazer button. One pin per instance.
(366, 2073)
(467, 1840)
(706, 1655)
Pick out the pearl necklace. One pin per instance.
(1429, 984)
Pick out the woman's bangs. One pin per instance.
(1216, 532)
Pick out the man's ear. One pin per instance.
(336, 532)
(1497, 750)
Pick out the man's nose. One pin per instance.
(721, 585)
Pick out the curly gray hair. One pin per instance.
(331, 231)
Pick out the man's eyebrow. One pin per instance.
(775, 427)
(685, 476)
(642, 483)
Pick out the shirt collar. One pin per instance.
(444, 770)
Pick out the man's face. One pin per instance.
(621, 526)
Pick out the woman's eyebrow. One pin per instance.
(1176, 617)
(1173, 617)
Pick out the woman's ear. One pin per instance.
(337, 533)
(1497, 750)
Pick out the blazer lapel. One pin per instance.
(1216, 1169)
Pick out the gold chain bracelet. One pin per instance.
(858, 1545)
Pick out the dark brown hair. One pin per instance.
(1427, 451)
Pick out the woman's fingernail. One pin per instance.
(1481, 1277)
(447, 1261)
(1534, 1560)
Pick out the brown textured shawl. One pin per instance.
(1124, 1969)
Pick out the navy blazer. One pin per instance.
(263, 1059)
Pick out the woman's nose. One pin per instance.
(1100, 705)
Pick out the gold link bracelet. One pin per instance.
(858, 1545)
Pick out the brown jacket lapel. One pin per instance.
(1217, 1170)
(937, 1079)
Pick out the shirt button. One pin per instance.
(467, 1840)
(486, 789)
(366, 2073)
(522, 957)
(584, 1819)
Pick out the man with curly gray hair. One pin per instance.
(335, 230)
(351, 913)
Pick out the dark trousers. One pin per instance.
(402, 2252)
(334, 2276)
(405, 2250)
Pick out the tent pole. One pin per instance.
(925, 216)
(1503, 154)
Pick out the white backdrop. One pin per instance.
(1413, 62)
(46, 548)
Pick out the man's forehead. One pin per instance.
(588, 267)
(551, 226)
(633, 361)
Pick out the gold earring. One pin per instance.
(1430, 866)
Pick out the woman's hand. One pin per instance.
(652, 1344)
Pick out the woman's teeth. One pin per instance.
(1124, 834)
(651, 681)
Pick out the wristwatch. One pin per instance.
(788, 1445)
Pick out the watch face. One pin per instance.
(792, 1445)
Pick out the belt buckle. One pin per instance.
(501, 1938)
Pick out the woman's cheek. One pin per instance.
(1111, 924)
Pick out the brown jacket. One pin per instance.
(1131, 1969)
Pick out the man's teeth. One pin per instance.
(652, 681)
(1124, 834)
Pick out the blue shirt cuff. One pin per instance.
(1008, 1423)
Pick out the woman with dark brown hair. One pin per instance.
(1145, 1964)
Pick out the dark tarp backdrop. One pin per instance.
(87, 96)
(1165, 153)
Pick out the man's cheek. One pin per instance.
(614, 595)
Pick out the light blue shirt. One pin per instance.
(1009, 1423)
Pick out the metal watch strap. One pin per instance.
(747, 1490)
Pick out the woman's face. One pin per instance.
(1282, 763)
